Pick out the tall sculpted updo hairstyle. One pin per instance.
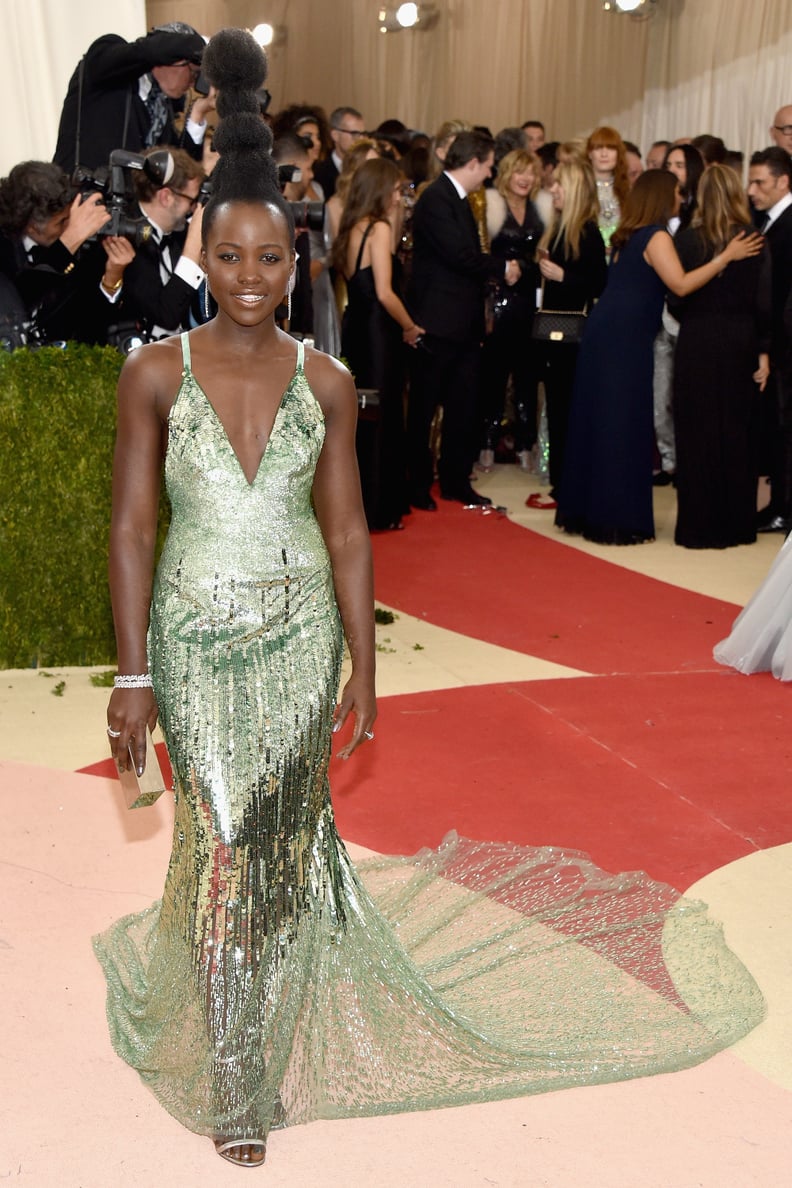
(237, 66)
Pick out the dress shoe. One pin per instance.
(541, 502)
(777, 524)
(423, 502)
(467, 496)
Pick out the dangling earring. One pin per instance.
(289, 291)
(206, 297)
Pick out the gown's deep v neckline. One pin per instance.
(188, 371)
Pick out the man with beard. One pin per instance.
(161, 282)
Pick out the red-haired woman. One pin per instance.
(608, 156)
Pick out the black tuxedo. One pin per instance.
(59, 290)
(446, 297)
(146, 298)
(326, 174)
(778, 396)
(113, 114)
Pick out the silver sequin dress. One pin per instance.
(273, 983)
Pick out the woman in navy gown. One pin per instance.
(606, 488)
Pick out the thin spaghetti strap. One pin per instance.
(185, 345)
(300, 354)
(366, 234)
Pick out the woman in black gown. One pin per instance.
(573, 269)
(376, 323)
(514, 227)
(606, 488)
(721, 361)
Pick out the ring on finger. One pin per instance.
(369, 734)
(113, 733)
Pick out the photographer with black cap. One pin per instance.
(125, 95)
(68, 285)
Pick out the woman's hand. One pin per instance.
(743, 245)
(551, 271)
(413, 334)
(358, 698)
(762, 373)
(129, 713)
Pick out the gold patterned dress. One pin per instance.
(274, 983)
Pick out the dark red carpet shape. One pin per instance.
(675, 775)
(670, 764)
(486, 577)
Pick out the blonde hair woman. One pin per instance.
(515, 227)
(721, 365)
(573, 269)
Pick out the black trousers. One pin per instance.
(446, 373)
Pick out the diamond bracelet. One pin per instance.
(142, 681)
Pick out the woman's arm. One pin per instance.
(339, 510)
(382, 268)
(661, 254)
(133, 531)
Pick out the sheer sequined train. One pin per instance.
(273, 983)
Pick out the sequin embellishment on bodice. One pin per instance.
(271, 984)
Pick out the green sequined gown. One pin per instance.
(273, 983)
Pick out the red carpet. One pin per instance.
(658, 773)
(489, 578)
(670, 764)
(653, 773)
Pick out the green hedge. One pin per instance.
(57, 426)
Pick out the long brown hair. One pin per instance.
(651, 200)
(722, 207)
(576, 179)
(369, 198)
(354, 157)
(605, 137)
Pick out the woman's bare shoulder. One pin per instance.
(153, 372)
(331, 382)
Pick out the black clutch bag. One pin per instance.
(558, 325)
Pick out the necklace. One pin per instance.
(608, 203)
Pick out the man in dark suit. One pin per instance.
(49, 254)
(163, 279)
(770, 191)
(126, 94)
(446, 296)
(346, 126)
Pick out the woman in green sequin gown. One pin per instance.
(272, 984)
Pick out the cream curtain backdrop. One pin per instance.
(698, 65)
(42, 42)
(717, 67)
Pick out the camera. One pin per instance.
(114, 182)
(308, 216)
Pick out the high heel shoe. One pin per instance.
(250, 1152)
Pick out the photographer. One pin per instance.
(126, 95)
(161, 281)
(68, 286)
(295, 175)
